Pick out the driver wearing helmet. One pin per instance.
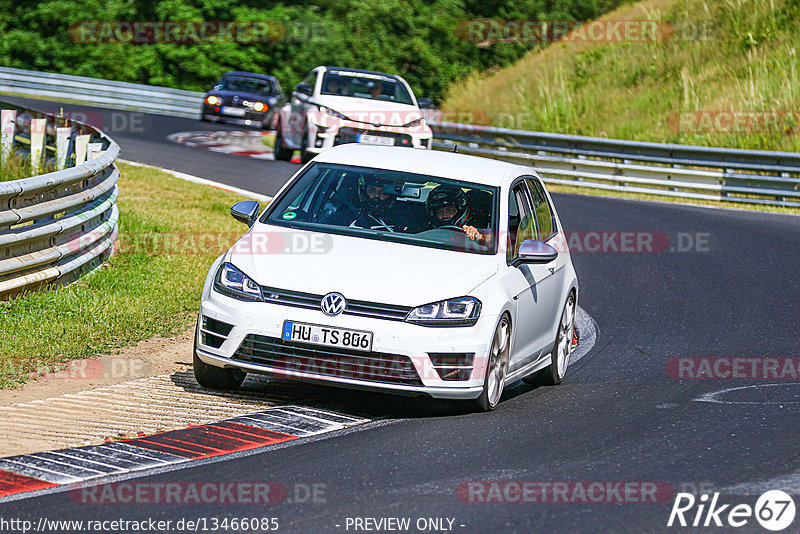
(374, 208)
(447, 206)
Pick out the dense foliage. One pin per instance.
(418, 39)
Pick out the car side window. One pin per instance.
(543, 210)
(521, 223)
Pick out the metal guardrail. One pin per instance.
(695, 172)
(56, 227)
(98, 92)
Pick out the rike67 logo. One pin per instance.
(774, 510)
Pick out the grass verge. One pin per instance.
(739, 56)
(170, 232)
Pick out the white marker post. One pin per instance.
(94, 150)
(81, 142)
(8, 120)
(62, 146)
(38, 127)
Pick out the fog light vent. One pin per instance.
(452, 366)
(213, 332)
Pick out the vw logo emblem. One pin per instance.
(333, 304)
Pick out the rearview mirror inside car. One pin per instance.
(245, 211)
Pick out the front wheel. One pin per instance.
(305, 155)
(213, 377)
(496, 367)
(553, 374)
(281, 152)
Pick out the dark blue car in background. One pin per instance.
(244, 98)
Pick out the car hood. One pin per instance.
(358, 268)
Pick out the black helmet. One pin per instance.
(447, 195)
(377, 206)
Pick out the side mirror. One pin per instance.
(532, 251)
(425, 103)
(304, 89)
(245, 211)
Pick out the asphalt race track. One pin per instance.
(622, 414)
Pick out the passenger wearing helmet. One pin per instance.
(374, 206)
(447, 206)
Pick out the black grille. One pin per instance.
(311, 301)
(348, 135)
(452, 365)
(213, 333)
(327, 361)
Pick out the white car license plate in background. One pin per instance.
(327, 335)
(227, 110)
(375, 140)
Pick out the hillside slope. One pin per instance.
(720, 73)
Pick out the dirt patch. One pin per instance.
(156, 356)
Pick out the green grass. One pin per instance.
(14, 168)
(636, 90)
(140, 293)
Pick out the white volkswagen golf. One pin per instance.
(413, 272)
(333, 106)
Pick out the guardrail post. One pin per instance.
(38, 127)
(93, 150)
(81, 143)
(8, 118)
(62, 146)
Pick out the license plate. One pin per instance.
(328, 336)
(375, 140)
(227, 110)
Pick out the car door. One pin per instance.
(548, 230)
(298, 109)
(535, 286)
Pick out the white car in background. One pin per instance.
(334, 106)
(434, 274)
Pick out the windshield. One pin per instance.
(390, 206)
(246, 85)
(365, 85)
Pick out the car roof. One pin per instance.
(242, 74)
(393, 76)
(451, 165)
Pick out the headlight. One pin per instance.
(333, 113)
(463, 311)
(212, 100)
(234, 283)
(414, 124)
(260, 106)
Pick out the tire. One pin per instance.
(553, 374)
(213, 377)
(281, 152)
(305, 155)
(496, 367)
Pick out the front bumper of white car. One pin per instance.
(441, 362)
(333, 133)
